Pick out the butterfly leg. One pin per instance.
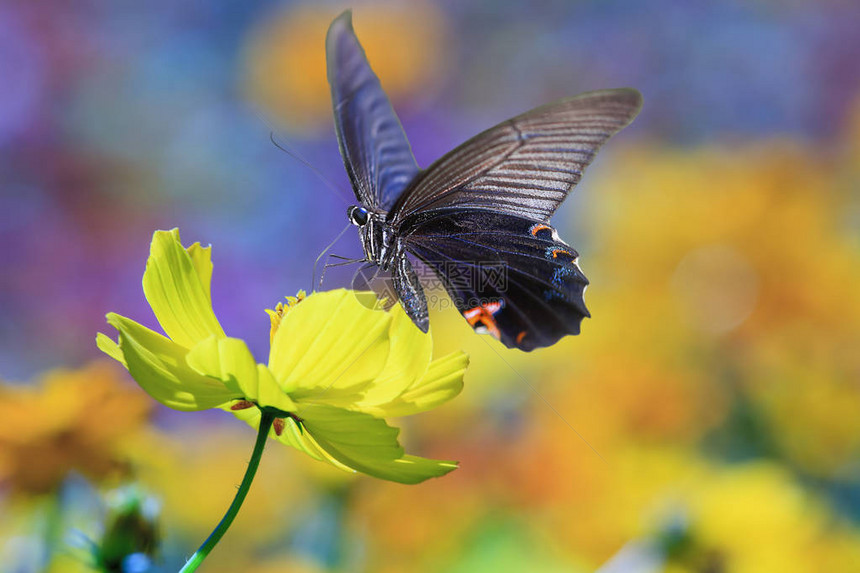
(344, 261)
(411, 294)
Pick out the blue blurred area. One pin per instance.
(118, 118)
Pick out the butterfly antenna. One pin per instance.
(337, 190)
(345, 197)
(330, 245)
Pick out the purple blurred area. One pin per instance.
(117, 118)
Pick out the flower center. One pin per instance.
(277, 315)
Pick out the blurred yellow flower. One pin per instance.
(736, 269)
(286, 67)
(68, 563)
(337, 366)
(756, 518)
(806, 385)
(764, 215)
(69, 420)
(439, 518)
(623, 397)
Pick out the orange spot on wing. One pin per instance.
(520, 336)
(556, 252)
(482, 316)
(538, 228)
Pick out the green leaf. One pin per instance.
(158, 365)
(176, 285)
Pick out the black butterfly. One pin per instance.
(479, 216)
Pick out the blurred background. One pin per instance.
(707, 419)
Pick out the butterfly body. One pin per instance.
(478, 218)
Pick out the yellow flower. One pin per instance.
(337, 366)
(73, 419)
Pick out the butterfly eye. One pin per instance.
(357, 215)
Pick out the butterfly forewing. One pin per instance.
(374, 148)
(524, 166)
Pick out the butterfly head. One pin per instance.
(377, 236)
(357, 215)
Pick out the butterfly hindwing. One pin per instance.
(509, 276)
(374, 147)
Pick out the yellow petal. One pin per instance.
(110, 347)
(330, 347)
(229, 361)
(405, 469)
(415, 469)
(442, 382)
(176, 285)
(292, 435)
(158, 365)
(407, 362)
(201, 258)
(367, 444)
(270, 393)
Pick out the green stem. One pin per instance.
(265, 424)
